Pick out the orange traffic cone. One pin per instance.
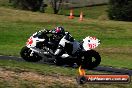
(81, 16)
(71, 14)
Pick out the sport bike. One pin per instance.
(42, 46)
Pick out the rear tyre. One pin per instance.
(25, 54)
(91, 59)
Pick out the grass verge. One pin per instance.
(33, 75)
(16, 26)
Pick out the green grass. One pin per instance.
(45, 70)
(92, 12)
(96, 12)
(40, 68)
(116, 44)
(4, 3)
(16, 26)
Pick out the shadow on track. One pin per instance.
(106, 69)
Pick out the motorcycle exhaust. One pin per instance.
(35, 50)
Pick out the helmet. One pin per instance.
(59, 30)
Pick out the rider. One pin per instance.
(58, 33)
(65, 38)
(62, 37)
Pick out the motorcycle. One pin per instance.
(42, 46)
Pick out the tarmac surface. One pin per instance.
(106, 69)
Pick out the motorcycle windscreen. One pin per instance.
(90, 43)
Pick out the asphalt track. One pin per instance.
(106, 69)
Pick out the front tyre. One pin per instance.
(91, 59)
(26, 55)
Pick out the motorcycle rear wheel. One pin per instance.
(88, 62)
(25, 54)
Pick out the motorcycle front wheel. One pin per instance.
(91, 59)
(26, 55)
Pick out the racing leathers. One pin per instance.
(67, 39)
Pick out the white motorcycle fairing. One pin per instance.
(90, 43)
(41, 46)
(33, 41)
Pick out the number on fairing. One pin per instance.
(90, 43)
